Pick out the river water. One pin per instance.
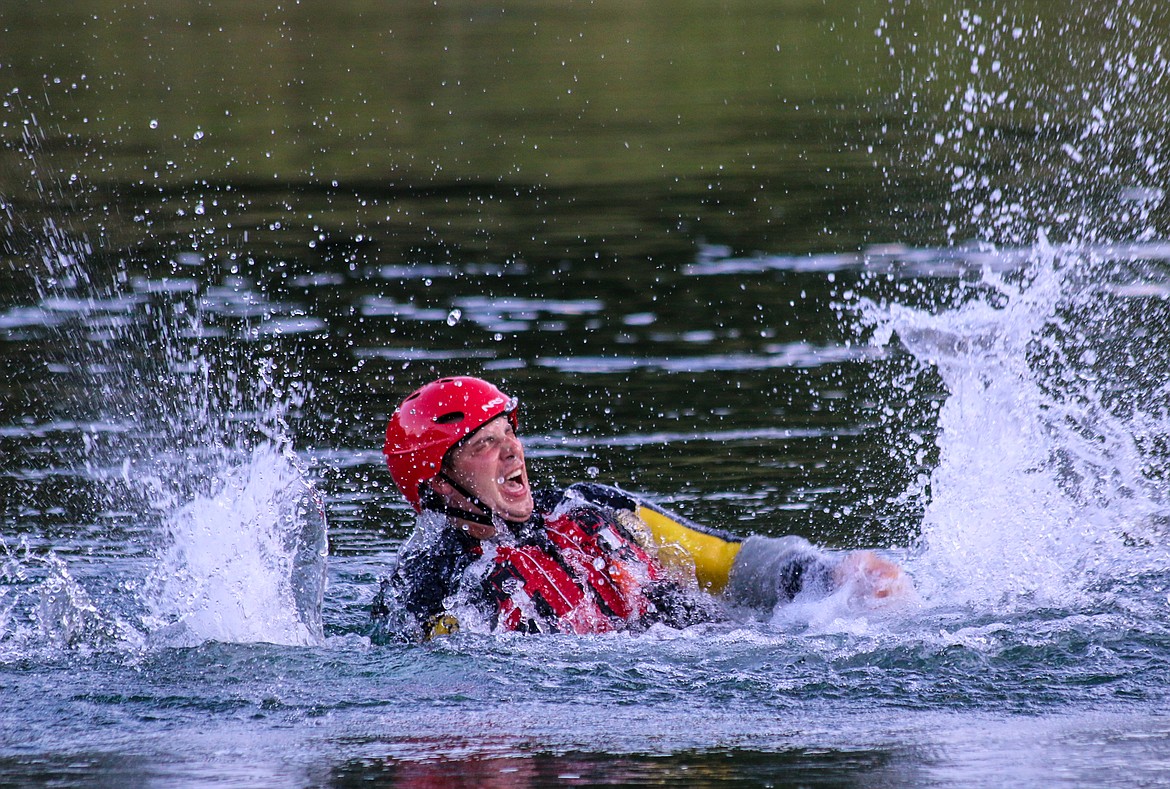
(874, 274)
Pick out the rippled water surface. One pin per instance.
(876, 275)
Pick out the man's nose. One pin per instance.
(511, 447)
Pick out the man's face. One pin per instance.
(490, 465)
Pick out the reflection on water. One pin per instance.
(795, 768)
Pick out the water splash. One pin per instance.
(173, 415)
(1046, 467)
(43, 607)
(1053, 432)
(246, 563)
(1080, 155)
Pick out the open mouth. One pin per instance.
(513, 484)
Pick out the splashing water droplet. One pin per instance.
(453, 316)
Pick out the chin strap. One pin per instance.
(435, 502)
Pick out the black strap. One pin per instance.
(436, 502)
(475, 517)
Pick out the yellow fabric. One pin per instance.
(442, 625)
(712, 556)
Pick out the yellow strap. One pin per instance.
(712, 556)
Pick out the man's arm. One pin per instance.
(757, 571)
(409, 604)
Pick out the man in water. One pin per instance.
(491, 553)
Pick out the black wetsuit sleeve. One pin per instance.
(803, 572)
(771, 570)
(424, 577)
(547, 499)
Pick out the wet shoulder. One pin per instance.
(427, 570)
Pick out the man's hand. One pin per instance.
(869, 576)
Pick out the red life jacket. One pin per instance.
(592, 581)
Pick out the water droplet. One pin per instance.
(198, 135)
(453, 316)
(593, 472)
(153, 124)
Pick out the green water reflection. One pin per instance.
(577, 123)
(565, 126)
(555, 93)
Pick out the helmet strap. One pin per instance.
(485, 518)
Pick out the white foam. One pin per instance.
(1036, 478)
(246, 563)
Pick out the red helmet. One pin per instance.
(432, 420)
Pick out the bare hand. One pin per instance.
(871, 577)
